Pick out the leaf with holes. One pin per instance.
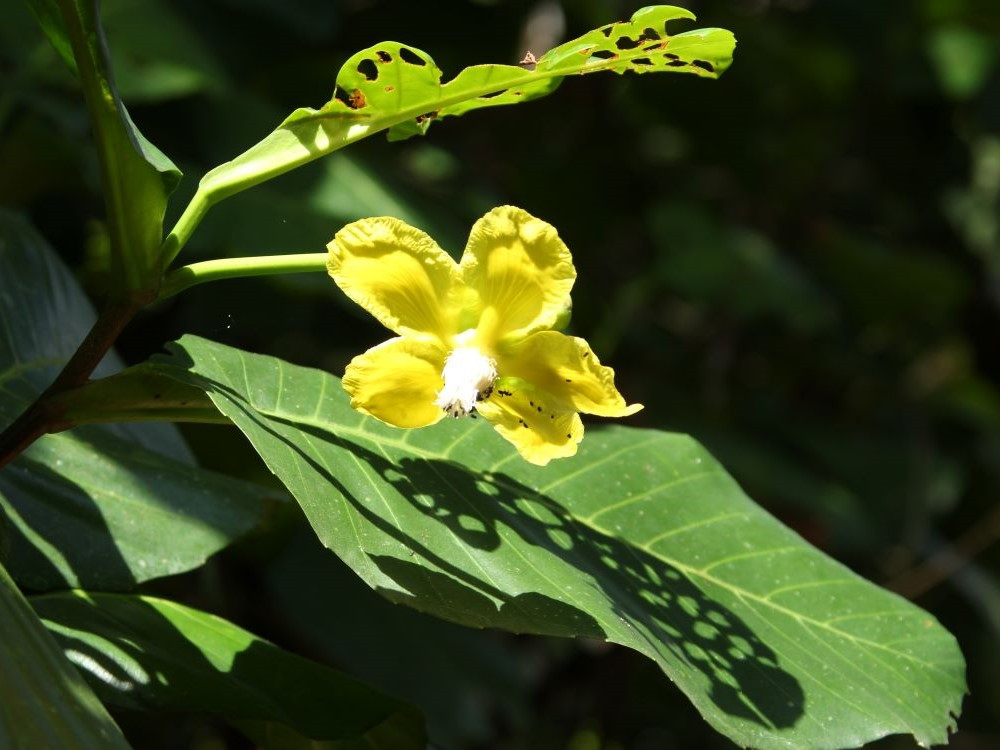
(143, 653)
(396, 87)
(641, 539)
(100, 506)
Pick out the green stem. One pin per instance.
(101, 107)
(184, 228)
(235, 268)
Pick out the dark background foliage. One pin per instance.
(798, 264)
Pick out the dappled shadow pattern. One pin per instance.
(667, 616)
(647, 604)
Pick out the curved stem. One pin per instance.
(234, 268)
(184, 228)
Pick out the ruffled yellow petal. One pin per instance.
(397, 273)
(397, 382)
(540, 427)
(565, 367)
(522, 271)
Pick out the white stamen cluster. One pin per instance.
(468, 376)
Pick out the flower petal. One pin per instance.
(565, 367)
(540, 426)
(396, 272)
(397, 382)
(521, 269)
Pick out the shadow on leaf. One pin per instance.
(662, 610)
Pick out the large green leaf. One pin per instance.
(100, 506)
(396, 87)
(641, 539)
(43, 700)
(146, 653)
(136, 176)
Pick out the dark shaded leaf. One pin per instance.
(104, 506)
(43, 700)
(153, 654)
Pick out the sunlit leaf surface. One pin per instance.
(642, 539)
(101, 506)
(151, 654)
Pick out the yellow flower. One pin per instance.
(473, 336)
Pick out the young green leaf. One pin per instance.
(151, 654)
(396, 87)
(102, 506)
(641, 539)
(136, 176)
(43, 700)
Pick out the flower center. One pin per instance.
(468, 376)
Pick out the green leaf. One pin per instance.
(963, 59)
(732, 270)
(106, 506)
(151, 654)
(136, 176)
(396, 87)
(642, 539)
(43, 700)
(155, 53)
